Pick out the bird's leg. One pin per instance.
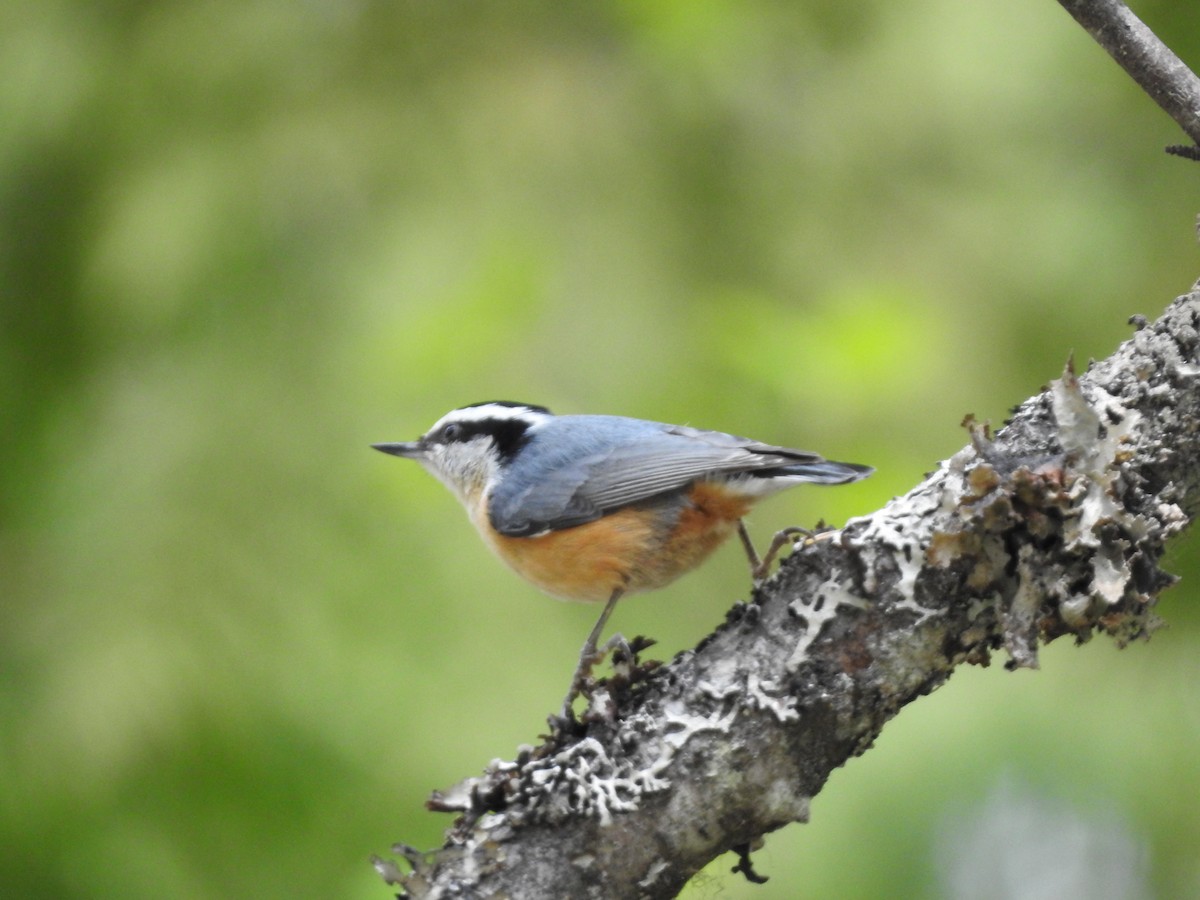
(751, 553)
(587, 656)
(760, 567)
(782, 537)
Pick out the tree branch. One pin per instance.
(1053, 528)
(1147, 60)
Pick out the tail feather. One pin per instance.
(827, 471)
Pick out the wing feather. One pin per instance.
(572, 475)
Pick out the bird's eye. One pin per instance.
(452, 432)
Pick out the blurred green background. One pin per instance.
(243, 240)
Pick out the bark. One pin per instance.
(1054, 527)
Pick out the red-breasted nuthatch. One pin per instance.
(596, 507)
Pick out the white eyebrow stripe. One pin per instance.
(491, 411)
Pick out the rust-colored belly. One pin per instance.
(637, 548)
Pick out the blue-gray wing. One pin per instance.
(581, 467)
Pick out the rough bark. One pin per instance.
(1054, 527)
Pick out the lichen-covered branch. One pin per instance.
(1053, 527)
(1146, 59)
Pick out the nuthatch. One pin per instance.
(596, 507)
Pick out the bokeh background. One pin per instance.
(240, 241)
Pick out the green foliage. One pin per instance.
(241, 241)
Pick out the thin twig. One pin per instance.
(1147, 60)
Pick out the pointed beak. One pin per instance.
(409, 450)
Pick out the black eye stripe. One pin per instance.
(509, 434)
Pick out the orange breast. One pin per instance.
(710, 516)
(637, 548)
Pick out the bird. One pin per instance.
(595, 507)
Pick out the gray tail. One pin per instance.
(827, 471)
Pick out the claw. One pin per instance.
(760, 568)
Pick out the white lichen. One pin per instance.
(652, 875)
(769, 697)
(889, 529)
(829, 598)
(1094, 445)
(583, 779)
